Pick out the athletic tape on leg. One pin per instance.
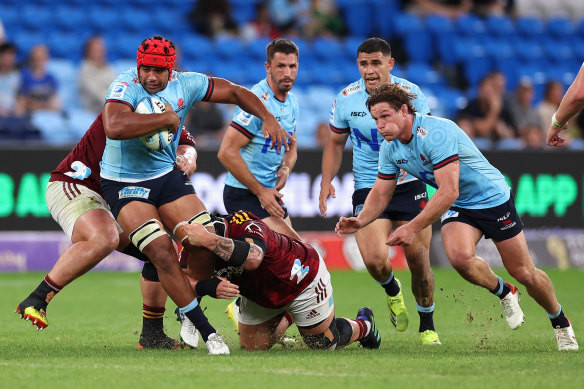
(146, 233)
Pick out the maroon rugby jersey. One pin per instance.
(288, 267)
(81, 165)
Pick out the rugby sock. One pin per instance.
(502, 289)
(43, 293)
(152, 319)
(364, 328)
(195, 314)
(558, 319)
(391, 287)
(426, 318)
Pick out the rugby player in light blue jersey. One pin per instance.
(472, 199)
(256, 173)
(144, 191)
(350, 118)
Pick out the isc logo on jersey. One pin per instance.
(159, 139)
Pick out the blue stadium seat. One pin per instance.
(53, 127)
(470, 25)
(407, 24)
(36, 18)
(25, 40)
(558, 50)
(71, 18)
(576, 144)
(358, 16)
(528, 50)
(509, 144)
(500, 25)
(327, 49)
(138, 19)
(438, 25)
(561, 27)
(229, 49)
(257, 48)
(483, 144)
(65, 71)
(499, 48)
(476, 68)
(79, 120)
(530, 27)
(424, 75)
(66, 45)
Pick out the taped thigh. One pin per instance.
(146, 233)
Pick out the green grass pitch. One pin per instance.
(94, 325)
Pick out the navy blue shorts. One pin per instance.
(407, 202)
(498, 223)
(238, 199)
(159, 191)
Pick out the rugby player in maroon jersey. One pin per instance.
(75, 201)
(279, 278)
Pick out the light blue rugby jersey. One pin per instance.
(436, 143)
(262, 161)
(349, 114)
(130, 160)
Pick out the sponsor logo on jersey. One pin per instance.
(405, 87)
(253, 228)
(118, 90)
(448, 214)
(422, 132)
(505, 217)
(265, 96)
(401, 161)
(298, 270)
(359, 114)
(134, 192)
(508, 224)
(358, 209)
(181, 102)
(244, 118)
(81, 171)
(424, 160)
(420, 196)
(312, 314)
(350, 90)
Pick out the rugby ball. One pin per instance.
(159, 139)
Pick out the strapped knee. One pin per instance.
(146, 233)
(203, 218)
(149, 272)
(325, 341)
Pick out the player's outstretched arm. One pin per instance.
(572, 102)
(230, 93)
(234, 252)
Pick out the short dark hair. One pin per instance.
(280, 45)
(394, 95)
(6, 47)
(373, 45)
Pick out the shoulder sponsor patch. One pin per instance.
(244, 118)
(350, 90)
(405, 87)
(80, 171)
(134, 192)
(421, 132)
(118, 90)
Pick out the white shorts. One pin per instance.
(310, 307)
(68, 202)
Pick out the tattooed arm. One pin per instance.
(225, 248)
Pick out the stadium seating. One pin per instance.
(468, 46)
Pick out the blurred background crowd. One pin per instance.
(499, 68)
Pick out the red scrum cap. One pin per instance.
(158, 52)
